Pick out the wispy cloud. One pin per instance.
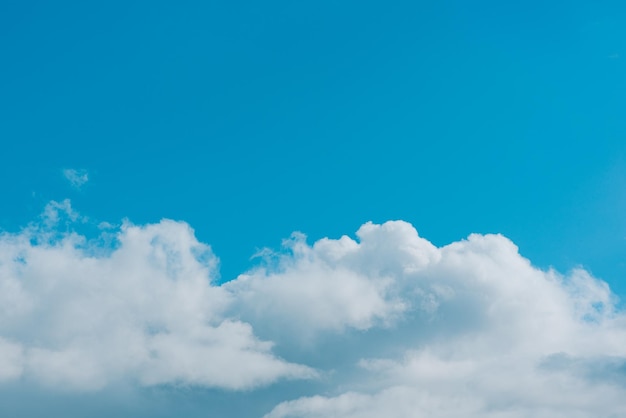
(76, 178)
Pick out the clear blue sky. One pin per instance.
(251, 120)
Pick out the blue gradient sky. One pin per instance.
(251, 120)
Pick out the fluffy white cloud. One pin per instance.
(81, 314)
(395, 326)
(337, 284)
(493, 336)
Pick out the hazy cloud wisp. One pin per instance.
(76, 178)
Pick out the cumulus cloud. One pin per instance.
(336, 284)
(393, 325)
(75, 315)
(76, 178)
(492, 337)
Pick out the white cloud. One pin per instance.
(10, 360)
(336, 284)
(76, 178)
(492, 337)
(395, 326)
(76, 316)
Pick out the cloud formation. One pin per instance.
(76, 314)
(76, 178)
(387, 323)
(489, 334)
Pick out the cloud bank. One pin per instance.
(387, 323)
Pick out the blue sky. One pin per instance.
(250, 121)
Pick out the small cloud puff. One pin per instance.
(76, 178)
